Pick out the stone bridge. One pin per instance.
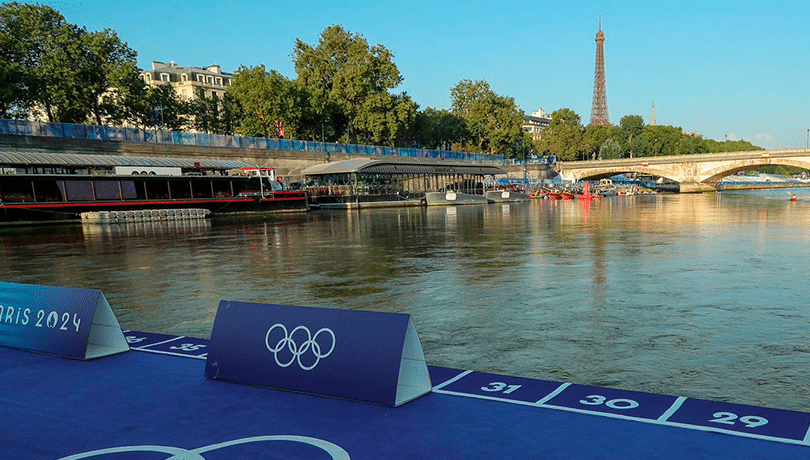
(695, 173)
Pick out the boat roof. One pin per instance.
(377, 166)
(13, 159)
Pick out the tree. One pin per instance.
(204, 112)
(161, 108)
(610, 150)
(113, 80)
(439, 129)
(386, 119)
(631, 125)
(265, 98)
(494, 121)
(661, 140)
(125, 99)
(346, 80)
(563, 136)
(59, 70)
(25, 35)
(690, 145)
(594, 138)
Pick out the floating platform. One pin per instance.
(144, 215)
(155, 403)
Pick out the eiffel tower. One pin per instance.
(599, 110)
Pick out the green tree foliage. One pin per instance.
(439, 129)
(267, 97)
(610, 149)
(495, 122)
(348, 83)
(60, 69)
(162, 109)
(25, 41)
(564, 135)
(645, 141)
(386, 119)
(204, 112)
(658, 140)
(114, 80)
(690, 145)
(594, 138)
(632, 126)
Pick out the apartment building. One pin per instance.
(536, 123)
(186, 80)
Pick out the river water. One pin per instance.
(703, 296)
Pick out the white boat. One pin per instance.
(453, 198)
(506, 196)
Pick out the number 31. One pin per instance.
(500, 387)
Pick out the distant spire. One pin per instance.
(652, 120)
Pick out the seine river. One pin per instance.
(693, 295)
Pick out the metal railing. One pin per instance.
(112, 133)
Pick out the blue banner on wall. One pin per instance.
(360, 355)
(76, 323)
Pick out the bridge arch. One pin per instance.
(713, 176)
(597, 174)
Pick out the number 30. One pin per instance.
(596, 400)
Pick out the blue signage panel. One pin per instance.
(740, 418)
(345, 353)
(493, 386)
(76, 323)
(612, 401)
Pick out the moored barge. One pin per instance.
(39, 187)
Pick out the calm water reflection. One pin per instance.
(702, 296)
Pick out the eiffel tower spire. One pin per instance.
(599, 109)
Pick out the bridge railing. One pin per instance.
(123, 134)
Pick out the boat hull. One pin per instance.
(325, 201)
(505, 196)
(451, 198)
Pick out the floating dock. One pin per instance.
(144, 215)
(155, 403)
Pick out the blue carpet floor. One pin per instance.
(148, 406)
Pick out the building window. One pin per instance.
(201, 78)
(165, 77)
(184, 77)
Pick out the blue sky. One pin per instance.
(724, 69)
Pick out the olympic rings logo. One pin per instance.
(309, 343)
(176, 453)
